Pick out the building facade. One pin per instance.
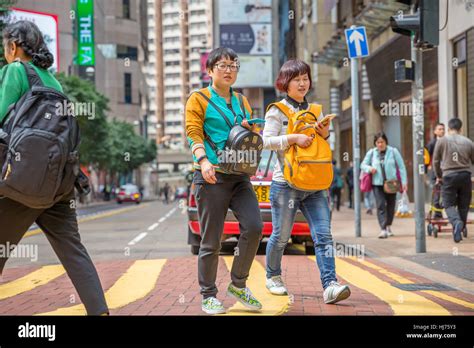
(456, 63)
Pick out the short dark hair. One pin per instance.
(288, 71)
(455, 123)
(439, 124)
(218, 54)
(379, 135)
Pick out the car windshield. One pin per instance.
(266, 165)
(129, 189)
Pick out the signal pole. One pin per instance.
(418, 144)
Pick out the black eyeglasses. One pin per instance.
(223, 67)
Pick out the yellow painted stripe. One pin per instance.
(403, 280)
(398, 278)
(30, 281)
(402, 302)
(271, 304)
(90, 218)
(445, 297)
(135, 284)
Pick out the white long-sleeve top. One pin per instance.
(274, 135)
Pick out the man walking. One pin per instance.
(435, 203)
(453, 158)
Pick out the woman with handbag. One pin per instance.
(389, 176)
(294, 79)
(208, 113)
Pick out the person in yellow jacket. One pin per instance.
(294, 79)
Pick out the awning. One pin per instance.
(375, 17)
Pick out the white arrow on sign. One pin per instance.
(357, 37)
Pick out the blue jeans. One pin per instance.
(285, 202)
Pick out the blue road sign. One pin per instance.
(356, 40)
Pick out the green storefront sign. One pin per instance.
(85, 31)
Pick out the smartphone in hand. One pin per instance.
(256, 121)
(326, 119)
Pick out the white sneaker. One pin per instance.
(336, 292)
(383, 234)
(276, 286)
(389, 231)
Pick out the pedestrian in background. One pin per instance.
(436, 196)
(386, 165)
(23, 41)
(294, 79)
(216, 190)
(166, 192)
(350, 184)
(453, 158)
(336, 186)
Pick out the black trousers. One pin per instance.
(456, 191)
(59, 224)
(213, 202)
(351, 202)
(385, 206)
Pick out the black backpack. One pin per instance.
(243, 149)
(40, 148)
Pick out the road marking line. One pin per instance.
(135, 284)
(271, 304)
(30, 281)
(402, 280)
(152, 227)
(90, 218)
(401, 302)
(171, 212)
(138, 238)
(161, 220)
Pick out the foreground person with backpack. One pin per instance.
(301, 178)
(39, 161)
(217, 125)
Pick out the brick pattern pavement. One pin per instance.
(177, 291)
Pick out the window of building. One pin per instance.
(128, 88)
(126, 9)
(198, 12)
(460, 81)
(127, 52)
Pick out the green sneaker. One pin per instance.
(244, 296)
(212, 305)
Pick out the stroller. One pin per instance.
(437, 225)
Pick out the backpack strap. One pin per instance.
(217, 108)
(315, 109)
(280, 106)
(33, 78)
(242, 106)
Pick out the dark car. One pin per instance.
(261, 183)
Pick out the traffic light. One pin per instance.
(424, 23)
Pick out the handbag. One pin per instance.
(389, 186)
(366, 181)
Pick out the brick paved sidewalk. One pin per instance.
(176, 291)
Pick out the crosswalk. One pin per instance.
(372, 284)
